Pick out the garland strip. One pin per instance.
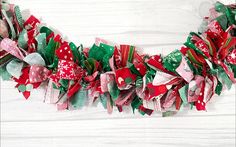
(117, 75)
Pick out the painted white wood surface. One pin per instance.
(153, 25)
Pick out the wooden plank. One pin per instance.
(172, 131)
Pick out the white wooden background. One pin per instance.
(154, 25)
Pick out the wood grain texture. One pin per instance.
(155, 26)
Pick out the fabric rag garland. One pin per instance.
(117, 75)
